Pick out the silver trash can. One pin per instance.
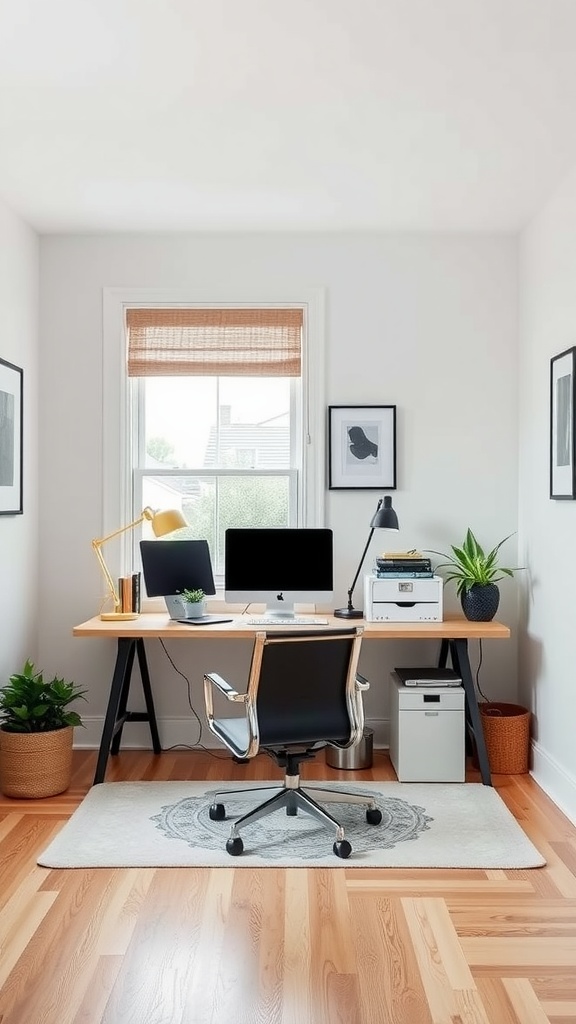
(359, 756)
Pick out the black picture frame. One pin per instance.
(562, 439)
(11, 438)
(362, 447)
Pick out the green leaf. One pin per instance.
(39, 710)
(72, 718)
(470, 564)
(22, 712)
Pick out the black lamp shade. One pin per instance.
(385, 517)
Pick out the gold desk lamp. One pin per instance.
(162, 521)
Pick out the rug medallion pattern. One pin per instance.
(188, 820)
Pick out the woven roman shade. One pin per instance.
(214, 342)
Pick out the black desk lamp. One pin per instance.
(384, 518)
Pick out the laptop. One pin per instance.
(428, 676)
(171, 566)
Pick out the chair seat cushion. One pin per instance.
(233, 730)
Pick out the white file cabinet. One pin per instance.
(427, 732)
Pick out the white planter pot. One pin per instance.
(193, 611)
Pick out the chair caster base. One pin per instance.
(234, 847)
(342, 848)
(217, 812)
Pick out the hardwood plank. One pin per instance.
(97, 993)
(524, 1001)
(333, 967)
(450, 989)
(297, 998)
(496, 1003)
(496, 951)
(391, 987)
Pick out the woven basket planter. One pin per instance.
(506, 730)
(35, 764)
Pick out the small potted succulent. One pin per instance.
(476, 574)
(36, 734)
(193, 603)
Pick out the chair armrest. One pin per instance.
(361, 682)
(228, 691)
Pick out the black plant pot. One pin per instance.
(480, 603)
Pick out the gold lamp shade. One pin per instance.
(166, 521)
(163, 521)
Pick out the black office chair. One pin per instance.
(303, 692)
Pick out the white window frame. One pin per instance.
(118, 500)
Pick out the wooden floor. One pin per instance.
(274, 946)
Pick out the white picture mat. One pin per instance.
(562, 426)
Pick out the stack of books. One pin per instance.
(129, 592)
(403, 564)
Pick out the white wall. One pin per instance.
(19, 534)
(428, 323)
(548, 527)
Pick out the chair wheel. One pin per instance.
(217, 812)
(342, 849)
(235, 847)
(374, 817)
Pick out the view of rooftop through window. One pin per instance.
(193, 422)
(228, 436)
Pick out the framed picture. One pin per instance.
(11, 388)
(562, 405)
(362, 447)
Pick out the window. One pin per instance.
(218, 417)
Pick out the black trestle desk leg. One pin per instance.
(147, 688)
(120, 683)
(443, 656)
(123, 714)
(461, 663)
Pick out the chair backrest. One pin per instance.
(303, 687)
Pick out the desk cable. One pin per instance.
(190, 746)
(478, 667)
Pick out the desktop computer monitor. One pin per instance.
(171, 566)
(278, 567)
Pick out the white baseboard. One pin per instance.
(557, 783)
(136, 735)
(183, 732)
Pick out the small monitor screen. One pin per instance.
(278, 567)
(171, 566)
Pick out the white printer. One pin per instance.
(403, 600)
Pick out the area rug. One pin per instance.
(166, 824)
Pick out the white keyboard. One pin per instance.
(274, 620)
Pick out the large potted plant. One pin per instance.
(476, 574)
(36, 733)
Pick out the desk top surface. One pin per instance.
(158, 624)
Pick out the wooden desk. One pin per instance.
(453, 634)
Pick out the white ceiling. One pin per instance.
(309, 114)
